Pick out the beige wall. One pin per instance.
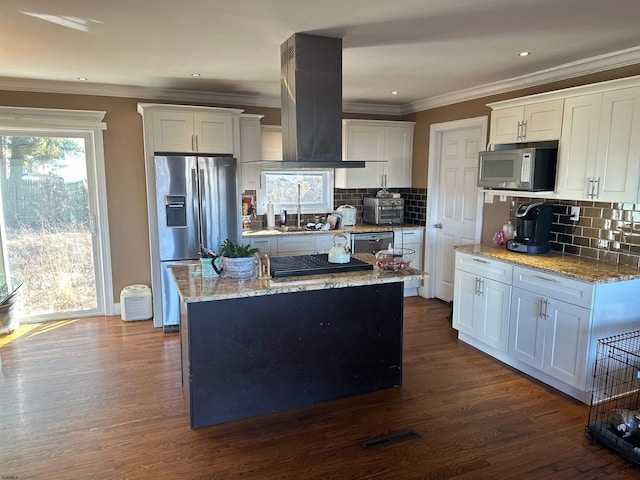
(124, 160)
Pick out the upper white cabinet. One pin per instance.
(599, 152)
(527, 123)
(387, 145)
(193, 129)
(250, 151)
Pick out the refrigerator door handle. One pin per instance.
(202, 199)
(195, 205)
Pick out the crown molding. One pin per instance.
(600, 63)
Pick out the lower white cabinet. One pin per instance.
(307, 244)
(550, 335)
(411, 238)
(543, 324)
(481, 302)
(267, 245)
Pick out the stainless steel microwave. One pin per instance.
(526, 169)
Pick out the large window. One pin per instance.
(285, 188)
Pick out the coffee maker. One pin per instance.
(533, 228)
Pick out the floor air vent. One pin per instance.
(390, 439)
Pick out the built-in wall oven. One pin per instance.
(370, 242)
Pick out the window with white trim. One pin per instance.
(283, 187)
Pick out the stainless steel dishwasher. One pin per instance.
(370, 242)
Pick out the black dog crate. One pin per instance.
(614, 416)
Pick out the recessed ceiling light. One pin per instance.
(195, 74)
(395, 92)
(83, 79)
(524, 54)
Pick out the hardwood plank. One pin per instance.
(101, 398)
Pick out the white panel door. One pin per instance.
(457, 200)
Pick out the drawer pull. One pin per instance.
(546, 279)
(479, 260)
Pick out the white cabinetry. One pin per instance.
(599, 156)
(526, 123)
(267, 245)
(307, 244)
(250, 151)
(482, 294)
(550, 324)
(386, 145)
(186, 131)
(411, 238)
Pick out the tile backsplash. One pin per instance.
(415, 203)
(605, 231)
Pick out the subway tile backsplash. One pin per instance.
(609, 232)
(415, 202)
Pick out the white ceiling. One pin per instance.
(432, 51)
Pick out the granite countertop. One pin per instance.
(358, 228)
(195, 288)
(579, 268)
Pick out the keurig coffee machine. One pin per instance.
(533, 228)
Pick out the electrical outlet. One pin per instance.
(488, 197)
(575, 214)
(503, 197)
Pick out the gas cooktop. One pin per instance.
(313, 265)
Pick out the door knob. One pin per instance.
(438, 225)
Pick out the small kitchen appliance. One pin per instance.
(533, 228)
(340, 252)
(348, 214)
(525, 169)
(383, 211)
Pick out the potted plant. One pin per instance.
(239, 262)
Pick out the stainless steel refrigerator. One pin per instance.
(198, 208)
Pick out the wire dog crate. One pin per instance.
(614, 416)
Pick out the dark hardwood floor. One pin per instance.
(101, 398)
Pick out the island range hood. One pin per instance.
(311, 96)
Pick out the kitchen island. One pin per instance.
(260, 346)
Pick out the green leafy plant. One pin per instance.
(235, 250)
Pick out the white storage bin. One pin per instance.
(135, 303)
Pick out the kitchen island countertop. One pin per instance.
(195, 288)
(579, 268)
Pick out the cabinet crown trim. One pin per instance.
(599, 87)
(148, 107)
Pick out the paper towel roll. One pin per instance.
(271, 217)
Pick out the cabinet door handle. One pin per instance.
(546, 279)
(590, 187)
(479, 260)
(596, 187)
(481, 282)
(196, 143)
(193, 143)
(524, 130)
(477, 292)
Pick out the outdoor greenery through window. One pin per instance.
(283, 186)
(47, 237)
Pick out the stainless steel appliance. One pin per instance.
(197, 208)
(526, 169)
(533, 228)
(370, 242)
(383, 211)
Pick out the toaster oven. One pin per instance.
(383, 211)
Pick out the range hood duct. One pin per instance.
(311, 96)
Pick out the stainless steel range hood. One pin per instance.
(311, 96)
